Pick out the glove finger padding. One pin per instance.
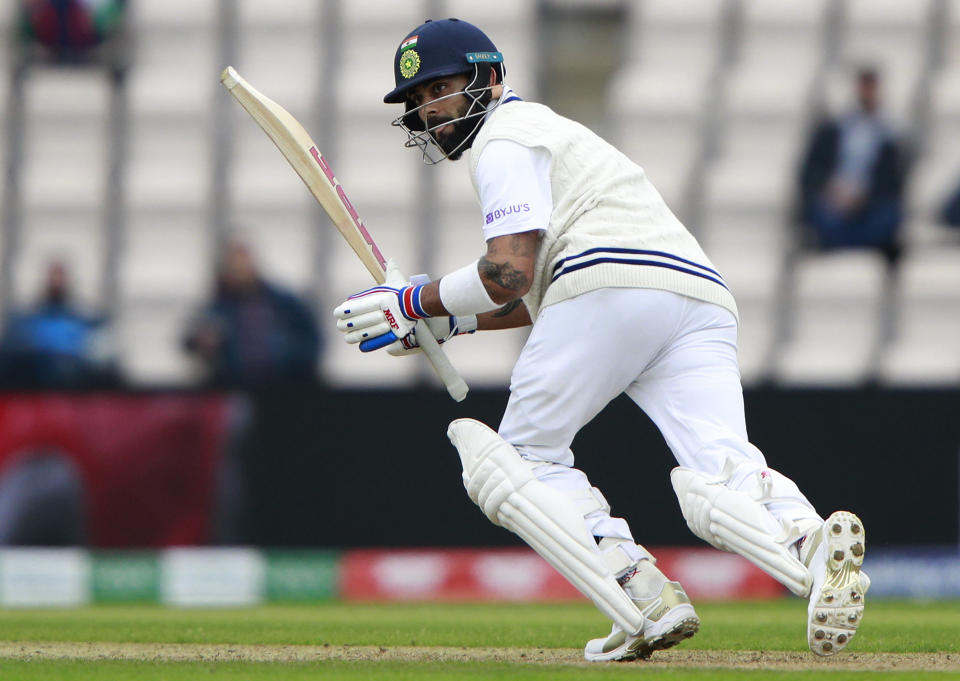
(360, 322)
(362, 303)
(367, 332)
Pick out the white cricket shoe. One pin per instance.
(834, 555)
(670, 619)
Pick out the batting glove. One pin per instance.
(381, 315)
(442, 328)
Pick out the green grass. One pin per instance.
(164, 671)
(889, 627)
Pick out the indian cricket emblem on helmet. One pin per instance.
(409, 63)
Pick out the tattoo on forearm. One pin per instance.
(507, 309)
(504, 275)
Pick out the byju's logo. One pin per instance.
(509, 210)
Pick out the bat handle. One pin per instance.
(456, 386)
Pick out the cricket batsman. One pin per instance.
(621, 299)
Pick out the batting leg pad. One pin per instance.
(732, 520)
(505, 488)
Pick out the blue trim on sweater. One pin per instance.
(634, 251)
(629, 261)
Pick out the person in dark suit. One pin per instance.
(852, 177)
(253, 331)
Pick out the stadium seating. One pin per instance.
(713, 99)
(658, 115)
(834, 321)
(924, 348)
(63, 180)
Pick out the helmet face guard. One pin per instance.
(433, 149)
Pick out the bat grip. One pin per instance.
(455, 384)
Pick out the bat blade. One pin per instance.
(296, 145)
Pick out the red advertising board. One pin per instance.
(521, 575)
(148, 464)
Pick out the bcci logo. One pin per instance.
(409, 63)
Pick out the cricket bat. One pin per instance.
(298, 148)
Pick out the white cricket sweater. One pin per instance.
(609, 226)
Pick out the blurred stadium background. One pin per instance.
(137, 165)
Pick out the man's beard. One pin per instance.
(453, 142)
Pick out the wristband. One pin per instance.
(462, 292)
(410, 300)
(463, 324)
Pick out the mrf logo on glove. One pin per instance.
(391, 319)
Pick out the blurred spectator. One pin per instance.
(951, 209)
(54, 344)
(70, 30)
(852, 177)
(253, 332)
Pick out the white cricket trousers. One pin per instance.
(675, 356)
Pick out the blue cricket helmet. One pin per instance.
(439, 48)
